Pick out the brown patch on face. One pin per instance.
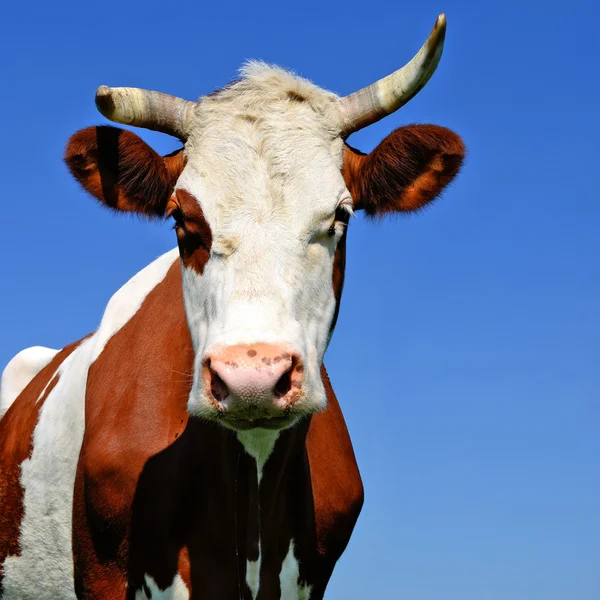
(194, 235)
(339, 271)
(16, 444)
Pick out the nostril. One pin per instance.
(239, 376)
(218, 387)
(284, 385)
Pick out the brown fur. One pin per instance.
(193, 231)
(408, 169)
(338, 275)
(122, 171)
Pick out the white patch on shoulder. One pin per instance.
(20, 371)
(289, 578)
(253, 574)
(176, 591)
(259, 444)
(44, 569)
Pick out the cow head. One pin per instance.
(261, 194)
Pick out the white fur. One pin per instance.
(176, 591)
(253, 574)
(265, 168)
(289, 578)
(259, 444)
(20, 371)
(44, 569)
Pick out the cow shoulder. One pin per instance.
(142, 322)
(337, 486)
(136, 400)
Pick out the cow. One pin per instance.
(193, 446)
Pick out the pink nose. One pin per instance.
(253, 382)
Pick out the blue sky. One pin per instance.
(467, 352)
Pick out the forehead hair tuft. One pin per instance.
(265, 90)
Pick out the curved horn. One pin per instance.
(387, 95)
(142, 108)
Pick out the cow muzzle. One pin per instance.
(254, 385)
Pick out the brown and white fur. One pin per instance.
(155, 459)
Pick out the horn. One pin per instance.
(372, 103)
(142, 108)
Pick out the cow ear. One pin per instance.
(408, 169)
(122, 171)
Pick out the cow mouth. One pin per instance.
(245, 424)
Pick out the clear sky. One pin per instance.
(467, 354)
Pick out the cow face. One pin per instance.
(260, 208)
(261, 196)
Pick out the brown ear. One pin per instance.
(122, 171)
(409, 168)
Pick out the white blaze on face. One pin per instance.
(263, 162)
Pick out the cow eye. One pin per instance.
(177, 216)
(342, 214)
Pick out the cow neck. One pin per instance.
(192, 473)
(271, 471)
